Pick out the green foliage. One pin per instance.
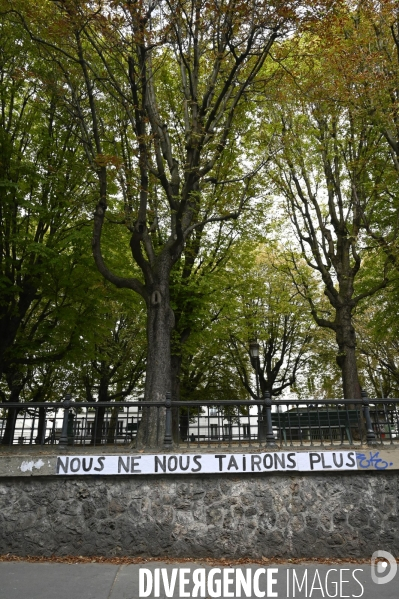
(321, 115)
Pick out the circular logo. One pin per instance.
(380, 573)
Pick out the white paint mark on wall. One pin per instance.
(28, 466)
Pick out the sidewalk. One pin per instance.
(27, 580)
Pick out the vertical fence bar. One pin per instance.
(71, 432)
(377, 426)
(209, 425)
(319, 424)
(270, 440)
(347, 426)
(32, 428)
(160, 414)
(370, 434)
(52, 432)
(64, 434)
(249, 425)
(168, 421)
(21, 438)
(94, 427)
(387, 423)
(279, 428)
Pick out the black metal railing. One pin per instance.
(282, 423)
(73, 423)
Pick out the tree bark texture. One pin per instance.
(160, 321)
(346, 358)
(16, 382)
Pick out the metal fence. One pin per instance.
(283, 423)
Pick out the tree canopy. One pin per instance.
(233, 170)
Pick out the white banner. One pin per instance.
(207, 463)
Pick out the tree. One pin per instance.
(378, 346)
(115, 368)
(272, 312)
(173, 77)
(40, 220)
(364, 36)
(328, 168)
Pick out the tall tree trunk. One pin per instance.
(160, 320)
(112, 425)
(103, 397)
(113, 422)
(16, 382)
(41, 427)
(346, 359)
(9, 429)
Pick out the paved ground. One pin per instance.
(22, 580)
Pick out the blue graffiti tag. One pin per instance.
(372, 461)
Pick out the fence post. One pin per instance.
(64, 434)
(168, 421)
(270, 439)
(370, 434)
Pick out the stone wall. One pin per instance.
(333, 515)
